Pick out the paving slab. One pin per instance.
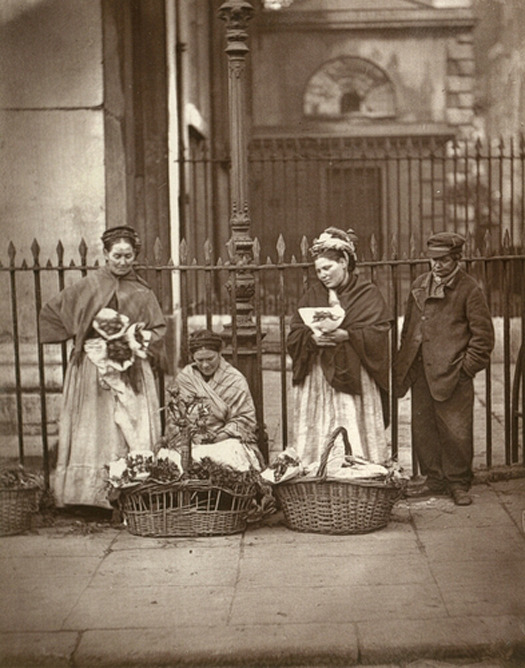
(161, 606)
(57, 542)
(442, 513)
(257, 645)
(43, 607)
(321, 605)
(321, 571)
(37, 649)
(126, 541)
(173, 566)
(463, 637)
(470, 543)
(440, 582)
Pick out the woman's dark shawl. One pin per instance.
(70, 314)
(367, 322)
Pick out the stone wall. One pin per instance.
(460, 81)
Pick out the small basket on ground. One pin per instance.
(186, 508)
(17, 506)
(318, 505)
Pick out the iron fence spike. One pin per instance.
(157, 251)
(35, 250)
(11, 251)
(468, 244)
(487, 240)
(230, 249)
(208, 251)
(373, 246)
(83, 249)
(24, 264)
(256, 250)
(304, 248)
(506, 240)
(394, 245)
(412, 245)
(183, 251)
(60, 251)
(281, 248)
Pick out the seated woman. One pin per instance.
(339, 377)
(226, 394)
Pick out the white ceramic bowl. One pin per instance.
(322, 319)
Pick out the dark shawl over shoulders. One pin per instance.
(70, 314)
(367, 322)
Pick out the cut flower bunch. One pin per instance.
(119, 342)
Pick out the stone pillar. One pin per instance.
(240, 336)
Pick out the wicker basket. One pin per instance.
(17, 506)
(319, 505)
(187, 508)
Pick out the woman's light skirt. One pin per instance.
(318, 409)
(96, 426)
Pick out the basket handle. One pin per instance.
(321, 471)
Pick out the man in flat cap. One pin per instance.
(447, 337)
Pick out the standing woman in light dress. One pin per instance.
(109, 404)
(340, 378)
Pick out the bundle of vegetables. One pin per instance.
(142, 465)
(16, 477)
(220, 475)
(285, 466)
(165, 467)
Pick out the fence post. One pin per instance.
(241, 335)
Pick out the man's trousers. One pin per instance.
(442, 433)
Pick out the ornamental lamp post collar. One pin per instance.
(236, 14)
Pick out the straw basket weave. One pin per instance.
(17, 506)
(186, 508)
(319, 505)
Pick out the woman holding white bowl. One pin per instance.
(339, 345)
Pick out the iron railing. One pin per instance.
(389, 189)
(33, 373)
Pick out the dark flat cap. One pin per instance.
(443, 243)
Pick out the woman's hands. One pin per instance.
(330, 338)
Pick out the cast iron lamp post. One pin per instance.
(242, 332)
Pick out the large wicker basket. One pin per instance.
(186, 508)
(319, 505)
(17, 506)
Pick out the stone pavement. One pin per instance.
(440, 583)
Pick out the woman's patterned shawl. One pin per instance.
(228, 397)
(70, 314)
(367, 322)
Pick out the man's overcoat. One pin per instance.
(454, 332)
